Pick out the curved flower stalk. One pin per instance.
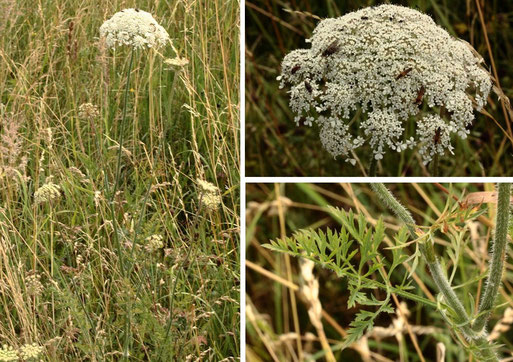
(462, 320)
(387, 61)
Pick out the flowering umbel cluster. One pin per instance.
(135, 28)
(46, 193)
(387, 61)
(30, 351)
(154, 243)
(209, 195)
(7, 353)
(27, 352)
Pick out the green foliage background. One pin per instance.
(310, 206)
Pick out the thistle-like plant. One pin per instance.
(356, 253)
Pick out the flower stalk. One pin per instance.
(498, 257)
(428, 252)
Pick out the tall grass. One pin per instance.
(105, 296)
(276, 147)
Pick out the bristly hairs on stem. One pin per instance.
(497, 259)
(443, 285)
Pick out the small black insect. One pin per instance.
(331, 49)
(438, 134)
(420, 94)
(404, 73)
(137, 10)
(295, 68)
(365, 18)
(308, 87)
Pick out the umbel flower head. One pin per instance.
(154, 243)
(387, 61)
(30, 351)
(135, 28)
(46, 193)
(209, 195)
(7, 353)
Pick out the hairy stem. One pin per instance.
(496, 269)
(372, 166)
(428, 252)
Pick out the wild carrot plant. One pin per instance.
(377, 264)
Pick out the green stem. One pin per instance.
(122, 129)
(436, 171)
(428, 252)
(372, 166)
(496, 269)
(112, 207)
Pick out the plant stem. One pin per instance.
(435, 171)
(122, 128)
(372, 166)
(112, 207)
(428, 252)
(496, 269)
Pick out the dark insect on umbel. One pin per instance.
(365, 18)
(404, 73)
(295, 68)
(420, 94)
(136, 9)
(331, 49)
(436, 137)
(308, 87)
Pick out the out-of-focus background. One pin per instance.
(276, 147)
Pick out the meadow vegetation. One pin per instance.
(349, 282)
(108, 255)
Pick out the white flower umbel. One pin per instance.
(387, 61)
(133, 27)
